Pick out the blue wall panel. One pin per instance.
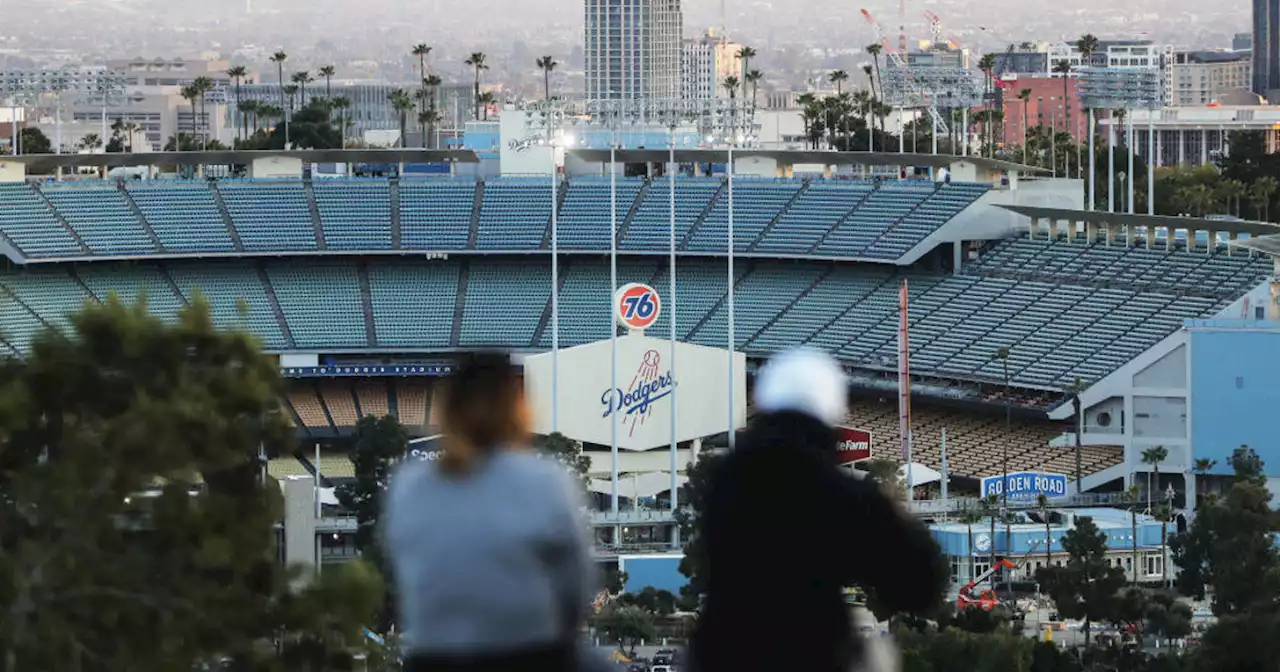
(661, 572)
(1235, 391)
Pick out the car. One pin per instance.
(662, 668)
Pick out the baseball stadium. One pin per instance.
(1042, 337)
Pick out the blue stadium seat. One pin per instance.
(812, 216)
(755, 205)
(235, 294)
(30, 225)
(435, 214)
(102, 218)
(650, 228)
(515, 214)
(586, 212)
(331, 317)
(413, 303)
(355, 214)
(504, 304)
(270, 215)
(184, 216)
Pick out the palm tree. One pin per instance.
(279, 58)
(808, 114)
(190, 93)
(238, 73)
(1025, 96)
(1042, 501)
(328, 72)
(476, 61)
(875, 49)
(90, 141)
(302, 79)
(1231, 191)
(401, 103)
(967, 518)
(745, 54)
(872, 105)
(202, 86)
(342, 104)
(753, 78)
(129, 129)
(1264, 189)
(838, 77)
(1202, 466)
(547, 64)
(1063, 68)
(1134, 491)
(731, 84)
(487, 98)
(1086, 45)
(428, 119)
(1154, 456)
(986, 64)
(290, 90)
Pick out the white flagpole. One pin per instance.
(732, 339)
(671, 263)
(555, 280)
(944, 468)
(316, 479)
(613, 326)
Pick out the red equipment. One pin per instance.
(987, 600)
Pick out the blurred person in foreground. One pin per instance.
(487, 544)
(787, 529)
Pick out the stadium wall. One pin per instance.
(660, 571)
(1235, 387)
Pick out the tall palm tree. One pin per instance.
(129, 129)
(1202, 466)
(1063, 68)
(421, 50)
(237, 73)
(1261, 194)
(967, 518)
(302, 78)
(428, 119)
(753, 78)
(190, 93)
(807, 101)
(1042, 502)
(986, 64)
(547, 64)
(291, 90)
(1154, 456)
(1134, 491)
(745, 55)
(873, 105)
(731, 85)
(342, 104)
(838, 77)
(203, 85)
(279, 58)
(423, 95)
(1025, 96)
(476, 61)
(1087, 45)
(328, 72)
(401, 103)
(486, 99)
(875, 50)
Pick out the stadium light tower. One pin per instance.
(1124, 89)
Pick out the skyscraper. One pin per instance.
(706, 62)
(633, 49)
(1266, 46)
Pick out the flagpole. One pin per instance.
(729, 165)
(904, 385)
(615, 403)
(671, 263)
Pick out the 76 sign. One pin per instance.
(636, 306)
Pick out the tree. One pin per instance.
(310, 128)
(421, 51)
(190, 93)
(628, 624)
(697, 494)
(1260, 195)
(341, 104)
(486, 99)
(967, 518)
(1085, 587)
(745, 54)
(477, 62)
(1042, 503)
(753, 78)
(1154, 456)
(730, 85)
(1230, 192)
(32, 140)
(401, 103)
(1063, 68)
(1025, 96)
(986, 64)
(279, 58)
(875, 49)
(328, 72)
(90, 142)
(1202, 466)
(1134, 491)
(137, 522)
(566, 451)
(1087, 45)
(302, 78)
(652, 600)
(838, 77)
(237, 73)
(1230, 544)
(547, 64)
(182, 142)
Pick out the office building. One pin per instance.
(1122, 54)
(1266, 46)
(1196, 136)
(705, 62)
(1204, 77)
(1046, 106)
(633, 49)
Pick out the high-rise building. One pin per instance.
(1242, 42)
(1204, 77)
(705, 63)
(1266, 46)
(633, 49)
(1123, 54)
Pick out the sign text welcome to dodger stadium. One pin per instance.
(1026, 485)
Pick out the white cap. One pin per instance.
(807, 381)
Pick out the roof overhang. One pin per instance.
(1154, 221)
(797, 157)
(42, 163)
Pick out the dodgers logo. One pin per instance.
(647, 386)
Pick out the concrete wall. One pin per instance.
(276, 166)
(299, 521)
(12, 171)
(1235, 378)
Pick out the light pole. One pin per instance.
(672, 168)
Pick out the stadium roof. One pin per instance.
(1166, 221)
(39, 163)
(1268, 245)
(793, 157)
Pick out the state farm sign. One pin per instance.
(854, 445)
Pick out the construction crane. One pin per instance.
(935, 30)
(899, 61)
(987, 600)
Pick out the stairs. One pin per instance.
(80, 281)
(475, 217)
(774, 222)
(843, 221)
(173, 285)
(460, 303)
(137, 212)
(746, 270)
(316, 223)
(816, 281)
(275, 308)
(545, 320)
(631, 213)
(58, 216)
(702, 216)
(366, 301)
(395, 213)
(226, 218)
(562, 192)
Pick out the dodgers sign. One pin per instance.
(649, 384)
(1026, 485)
(636, 306)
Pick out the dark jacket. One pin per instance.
(786, 530)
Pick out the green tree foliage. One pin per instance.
(379, 443)
(652, 600)
(628, 624)
(956, 650)
(1231, 546)
(566, 451)
(310, 127)
(1085, 587)
(697, 495)
(32, 140)
(137, 520)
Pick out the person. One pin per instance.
(785, 530)
(487, 544)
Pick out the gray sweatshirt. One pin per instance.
(491, 561)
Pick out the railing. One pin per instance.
(956, 504)
(631, 517)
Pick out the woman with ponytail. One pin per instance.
(488, 546)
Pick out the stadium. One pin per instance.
(369, 288)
